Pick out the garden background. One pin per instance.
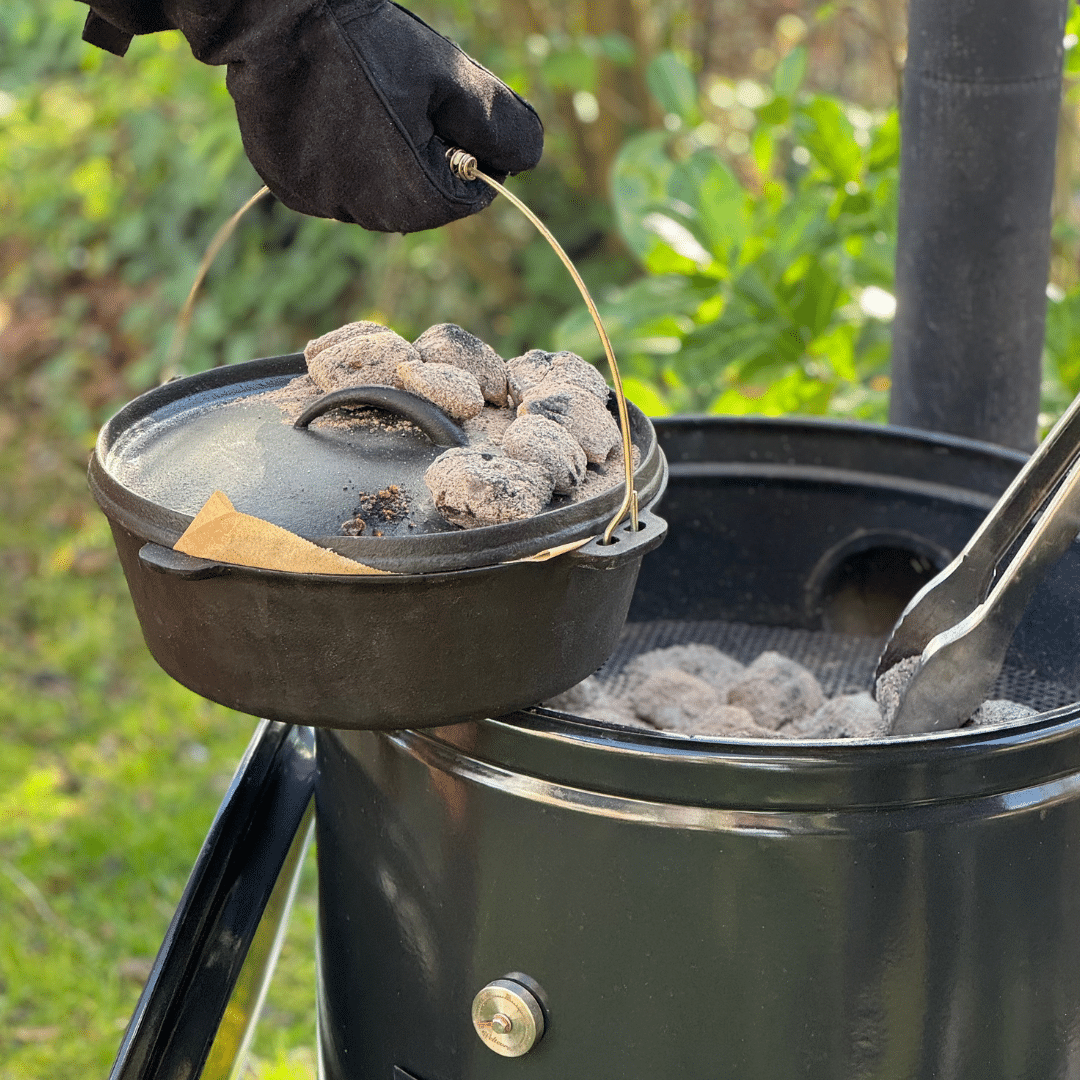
(724, 173)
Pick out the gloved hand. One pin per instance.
(347, 107)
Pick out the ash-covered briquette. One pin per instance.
(368, 355)
(776, 691)
(538, 373)
(727, 722)
(669, 698)
(341, 335)
(448, 343)
(849, 716)
(673, 700)
(1000, 711)
(590, 698)
(453, 389)
(549, 445)
(890, 686)
(707, 662)
(582, 415)
(472, 488)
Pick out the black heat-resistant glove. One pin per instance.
(347, 107)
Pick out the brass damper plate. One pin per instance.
(507, 1017)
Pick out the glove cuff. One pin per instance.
(100, 32)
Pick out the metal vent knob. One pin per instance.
(507, 1017)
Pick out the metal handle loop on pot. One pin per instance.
(464, 166)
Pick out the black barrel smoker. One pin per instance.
(541, 896)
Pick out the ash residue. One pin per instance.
(488, 427)
(297, 394)
(292, 398)
(374, 511)
(601, 478)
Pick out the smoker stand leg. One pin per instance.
(233, 1040)
(202, 999)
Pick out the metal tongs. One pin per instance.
(960, 624)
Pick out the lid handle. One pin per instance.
(428, 417)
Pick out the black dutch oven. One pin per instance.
(461, 628)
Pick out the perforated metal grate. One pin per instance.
(842, 663)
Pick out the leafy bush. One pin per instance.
(1062, 346)
(769, 269)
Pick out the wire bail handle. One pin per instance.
(464, 166)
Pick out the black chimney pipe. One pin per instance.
(982, 90)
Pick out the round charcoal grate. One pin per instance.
(842, 663)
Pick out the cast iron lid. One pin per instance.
(161, 457)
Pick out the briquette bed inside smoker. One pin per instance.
(788, 536)
(842, 663)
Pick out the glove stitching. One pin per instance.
(327, 7)
(475, 63)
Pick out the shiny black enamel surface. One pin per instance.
(935, 939)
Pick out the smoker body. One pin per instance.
(710, 909)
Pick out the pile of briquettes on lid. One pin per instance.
(539, 424)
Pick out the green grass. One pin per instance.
(110, 775)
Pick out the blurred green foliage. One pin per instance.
(767, 289)
(109, 779)
(118, 171)
(1062, 348)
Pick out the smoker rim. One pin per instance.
(736, 774)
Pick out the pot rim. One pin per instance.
(651, 532)
(424, 554)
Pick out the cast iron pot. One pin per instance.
(458, 631)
